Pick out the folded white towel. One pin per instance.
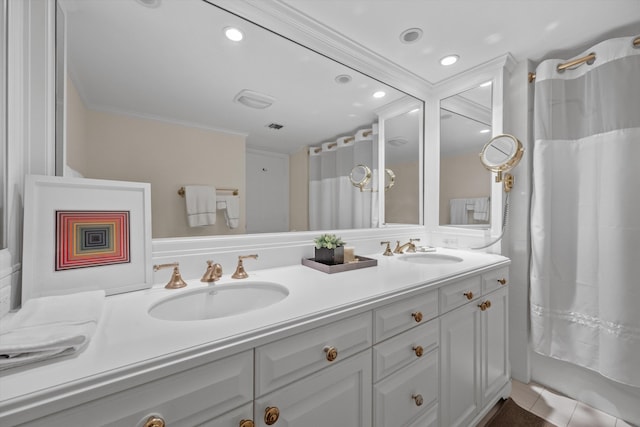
(231, 206)
(458, 211)
(481, 209)
(201, 205)
(49, 327)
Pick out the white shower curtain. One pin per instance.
(334, 203)
(585, 215)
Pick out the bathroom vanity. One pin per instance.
(418, 340)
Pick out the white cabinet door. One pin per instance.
(495, 358)
(403, 398)
(460, 365)
(336, 396)
(186, 398)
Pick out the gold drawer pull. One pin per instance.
(418, 399)
(419, 350)
(417, 316)
(502, 281)
(332, 353)
(485, 305)
(271, 415)
(469, 295)
(154, 421)
(246, 423)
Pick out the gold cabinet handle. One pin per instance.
(246, 423)
(332, 353)
(485, 305)
(502, 281)
(417, 316)
(418, 350)
(271, 415)
(469, 295)
(418, 399)
(154, 421)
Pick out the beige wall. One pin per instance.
(168, 156)
(403, 199)
(299, 191)
(461, 176)
(76, 131)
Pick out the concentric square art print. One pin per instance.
(85, 234)
(91, 238)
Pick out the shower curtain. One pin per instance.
(585, 214)
(334, 203)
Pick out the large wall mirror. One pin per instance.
(403, 151)
(465, 185)
(3, 123)
(153, 91)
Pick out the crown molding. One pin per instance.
(285, 20)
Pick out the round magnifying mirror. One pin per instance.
(389, 179)
(360, 176)
(501, 153)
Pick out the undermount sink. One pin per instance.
(218, 301)
(430, 258)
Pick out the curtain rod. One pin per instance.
(579, 61)
(346, 140)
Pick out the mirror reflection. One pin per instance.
(403, 164)
(465, 185)
(168, 99)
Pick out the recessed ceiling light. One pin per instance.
(449, 60)
(411, 35)
(485, 84)
(415, 110)
(343, 79)
(233, 34)
(379, 94)
(485, 131)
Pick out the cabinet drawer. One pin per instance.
(494, 280)
(396, 398)
(230, 419)
(399, 351)
(402, 315)
(339, 396)
(456, 294)
(284, 361)
(183, 399)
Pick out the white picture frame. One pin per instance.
(46, 195)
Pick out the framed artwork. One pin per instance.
(91, 238)
(85, 234)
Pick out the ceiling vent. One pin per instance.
(275, 126)
(253, 99)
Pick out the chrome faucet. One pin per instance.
(409, 246)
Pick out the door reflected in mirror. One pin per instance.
(167, 99)
(402, 148)
(465, 185)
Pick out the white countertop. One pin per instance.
(128, 340)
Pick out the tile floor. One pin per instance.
(561, 410)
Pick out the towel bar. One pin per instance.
(235, 191)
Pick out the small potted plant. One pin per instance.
(329, 249)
